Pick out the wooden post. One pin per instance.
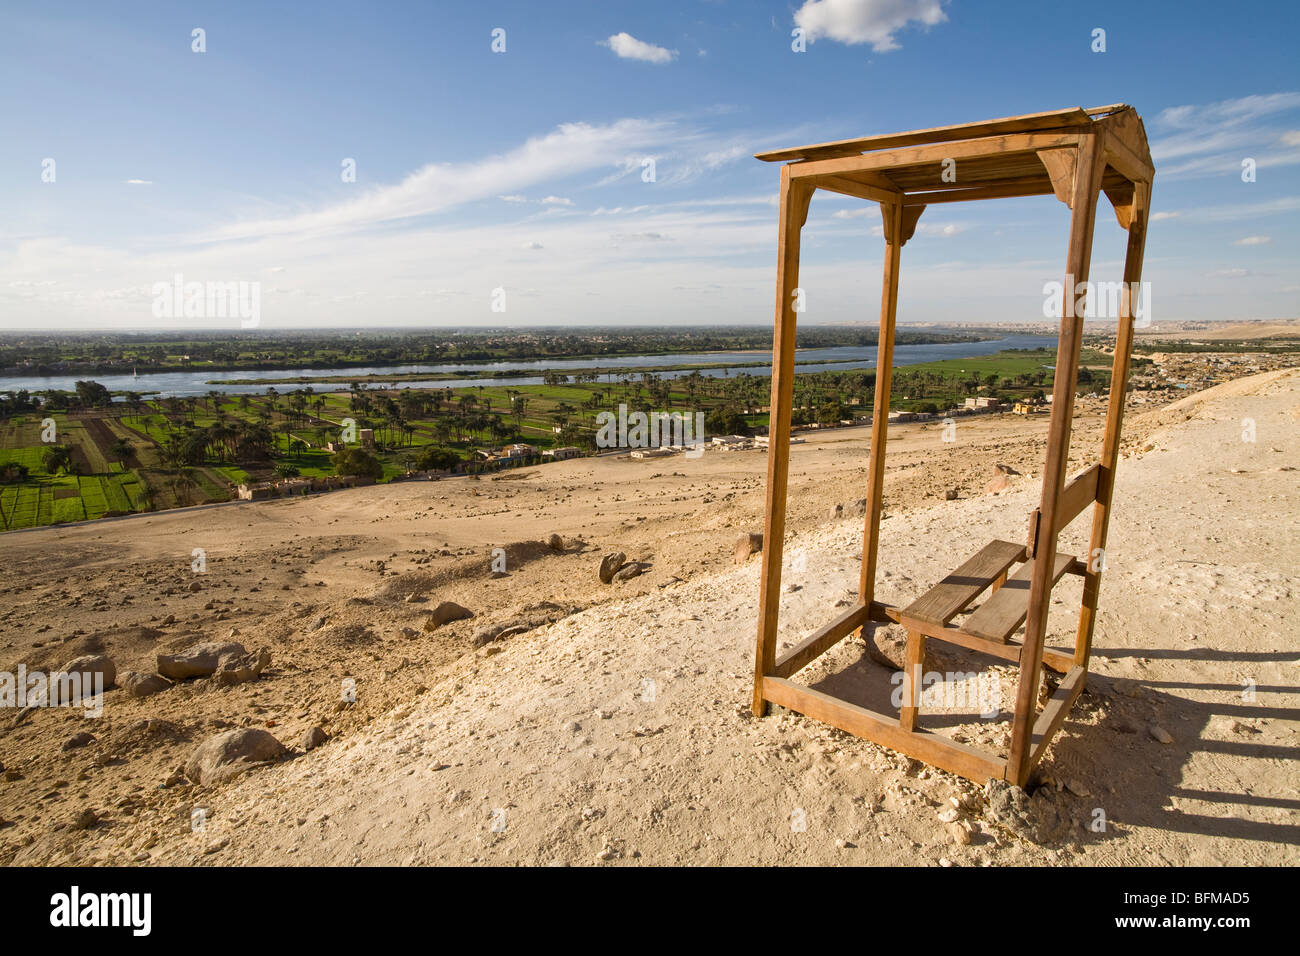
(913, 667)
(795, 198)
(893, 216)
(1114, 421)
(1087, 182)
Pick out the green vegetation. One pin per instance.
(135, 454)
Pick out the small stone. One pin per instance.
(1078, 789)
(314, 738)
(86, 819)
(610, 564)
(1160, 735)
(555, 542)
(78, 740)
(747, 545)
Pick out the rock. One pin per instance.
(1159, 734)
(610, 564)
(412, 597)
(313, 738)
(960, 833)
(1001, 469)
(88, 666)
(998, 483)
(555, 542)
(1037, 819)
(200, 660)
(748, 544)
(195, 587)
(86, 819)
(142, 685)
(950, 494)
(78, 740)
(887, 646)
(240, 669)
(628, 571)
(445, 613)
(409, 632)
(231, 753)
(1078, 789)
(837, 511)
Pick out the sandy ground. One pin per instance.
(621, 733)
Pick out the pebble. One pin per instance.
(1160, 734)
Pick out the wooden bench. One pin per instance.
(1002, 614)
(952, 595)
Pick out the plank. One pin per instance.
(926, 155)
(1071, 118)
(999, 617)
(961, 759)
(820, 641)
(945, 600)
(1053, 715)
(1078, 494)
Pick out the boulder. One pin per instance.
(78, 740)
(628, 571)
(199, 660)
(555, 542)
(229, 754)
(444, 613)
(143, 685)
(313, 738)
(237, 669)
(87, 666)
(748, 544)
(610, 564)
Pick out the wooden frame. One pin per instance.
(1075, 155)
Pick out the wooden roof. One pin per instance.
(1072, 119)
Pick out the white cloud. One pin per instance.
(556, 201)
(512, 198)
(1254, 241)
(1159, 216)
(533, 245)
(628, 47)
(139, 182)
(865, 21)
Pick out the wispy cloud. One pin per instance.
(1214, 138)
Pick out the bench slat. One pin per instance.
(999, 617)
(945, 600)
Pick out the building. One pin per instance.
(560, 454)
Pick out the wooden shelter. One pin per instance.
(1074, 154)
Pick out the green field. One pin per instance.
(181, 451)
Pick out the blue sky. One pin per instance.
(523, 170)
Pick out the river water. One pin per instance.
(199, 382)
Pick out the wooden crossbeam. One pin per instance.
(1053, 715)
(820, 641)
(966, 761)
(936, 154)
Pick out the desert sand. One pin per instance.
(620, 732)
